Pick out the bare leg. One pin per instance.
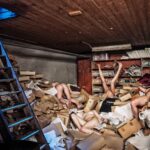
(134, 109)
(60, 93)
(114, 80)
(87, 128)
(138, 102)
(67, 93)
(102, 79)
(77, 120)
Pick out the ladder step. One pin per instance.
(43, 146)
(1, 56)
(20, 121)
(29, 135)
(6, 68)
(7, 80)
(13, 107)
(9, 93)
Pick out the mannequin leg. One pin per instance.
(114, 80)
(103, 79)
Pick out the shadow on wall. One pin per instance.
(45, 56)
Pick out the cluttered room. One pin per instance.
(74, 75)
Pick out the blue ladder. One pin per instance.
(9, 79)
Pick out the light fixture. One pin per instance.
(112, 48)
(6, 14)
(74, 13)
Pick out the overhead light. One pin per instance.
(112, 48)
(6, 14)
(74, 13)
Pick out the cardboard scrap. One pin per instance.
(77, 135)
(129, 128)
(27, 73)
(93, 142)
(126, 97)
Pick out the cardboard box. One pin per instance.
(129, 128)
(125, 87)
(91, 103)
(24, 78)
(27, 73)
(122, 91)
(37, 76)
(93, 142)
(126, 97)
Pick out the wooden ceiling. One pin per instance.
(102, 22)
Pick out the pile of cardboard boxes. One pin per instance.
(48, 109)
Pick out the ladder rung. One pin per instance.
(29, 135)
(5, 68)
(2, 56)
(8, 93)
(43, 146)
(6, 80)
(20, 121)
(13, 107)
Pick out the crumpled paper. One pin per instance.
(55, 143)
(140, 142)
(145, 116)
(121, 114)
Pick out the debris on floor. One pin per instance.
(117, 126)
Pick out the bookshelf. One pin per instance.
(133, 69)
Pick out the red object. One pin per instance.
(84, 75)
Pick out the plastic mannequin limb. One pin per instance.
(103, 79)
(62, 88)
(87, 121)
(114, 80)
(139, 102)
(109, 93)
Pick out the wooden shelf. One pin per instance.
(112, 60)
(126, 64)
